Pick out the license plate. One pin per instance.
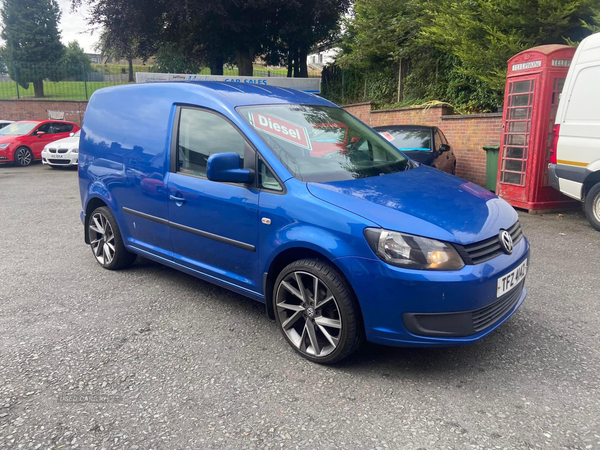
(511, 279)
(56, 155)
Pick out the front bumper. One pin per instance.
(64, 159)
(6, 155)
(390, 298)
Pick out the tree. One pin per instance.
(453, 50)
(118, 47)
(594, 23)
(33, 48)
(129, 28)
(198, 29)
(214, 33)
(299, 27)
(75, 62)
(219, 32)
(484, 34)
(171, 58)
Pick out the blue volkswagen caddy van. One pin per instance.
(351, 242)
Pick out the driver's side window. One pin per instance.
(201, 134)
(45, 128)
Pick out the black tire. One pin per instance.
(119, 257)
(23, 156)
(592, 206)
(343, 309)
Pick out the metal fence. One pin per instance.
(77, 83)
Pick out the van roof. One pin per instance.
(230, 94)
(589, 49)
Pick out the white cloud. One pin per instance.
(73, 26)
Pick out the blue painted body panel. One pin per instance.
(425, 202)
(227, 210)
(125, 158)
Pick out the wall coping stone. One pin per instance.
(410, 108)
(357, 104)
(471, 116)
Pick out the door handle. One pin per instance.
(177, 199)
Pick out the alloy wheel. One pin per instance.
(596, 207)
(309, 314)
(102, 238)
(23, 156)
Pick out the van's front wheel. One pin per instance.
(592, 206)
(316, 311)
(106, 241)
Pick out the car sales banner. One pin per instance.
(312, 85)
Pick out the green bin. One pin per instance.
(491, 166)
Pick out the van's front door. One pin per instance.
(214, 226)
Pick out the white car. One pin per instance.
(64, 152)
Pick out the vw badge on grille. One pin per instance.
(506, 242)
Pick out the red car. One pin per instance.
(23, 142)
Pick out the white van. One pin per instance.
(575, 151)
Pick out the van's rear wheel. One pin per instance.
(106, 241)
(592, 206)
(316, 311)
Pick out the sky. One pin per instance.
(74, 27)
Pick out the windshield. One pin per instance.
(409, 140)
(17, 129)
(323, 143)
(77, 134)
(329, 132)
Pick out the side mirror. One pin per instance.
(40, 133)
(226, 167)
(444, 148)
(71, 134)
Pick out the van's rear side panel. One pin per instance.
(578, 149)
(124, 160)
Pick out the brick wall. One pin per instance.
(360, 110)
(38, 109)
(467, 134)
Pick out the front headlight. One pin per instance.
(75, 150)
(3, 146)
(412, 252)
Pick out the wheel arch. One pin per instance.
(289, 255)
(92, 204)
(590, 181)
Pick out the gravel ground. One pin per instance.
(169, 361)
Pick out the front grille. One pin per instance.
(63, 150)
(52, 150)
(59, 161)
(487, 249)
(488, 315)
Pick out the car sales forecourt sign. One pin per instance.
(312, 85)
